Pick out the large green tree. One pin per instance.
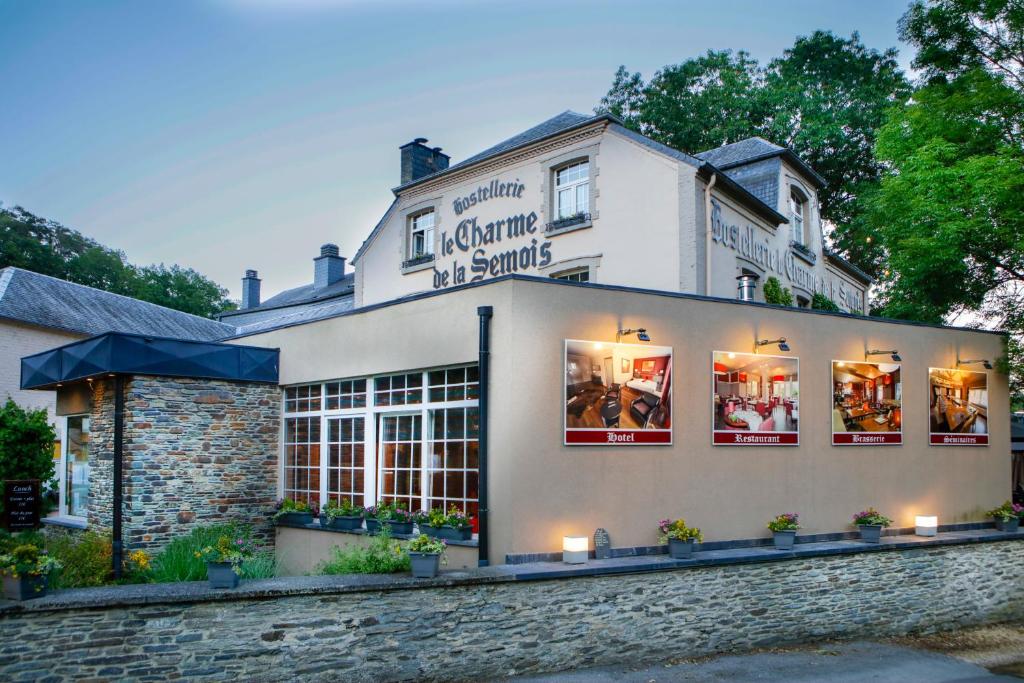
(45, 246)
(825, 98)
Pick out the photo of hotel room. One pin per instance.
(755, 393)
(617, 386)
(866, 397)
(959, 402)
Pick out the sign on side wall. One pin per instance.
(22, 504)
(755, 399)
(617, 394)
(867, 403)
(957, 407)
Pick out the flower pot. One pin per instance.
(25, 587)
(448, 533)
(870, 533)
(300, 518)
(221, 575)
(400, 528)
(425, 565)
(680, 550)
(784, 539)
(372, 526)
(343, 523)
(1010, 525)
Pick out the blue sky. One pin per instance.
(234, 134)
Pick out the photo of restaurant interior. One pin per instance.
(959, 401)
(755, 393)
(866, 397)
(617, 386)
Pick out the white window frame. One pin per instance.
(571, 275)
(798, 216)
(370, 414)
(427, 231)
(572, 187)
(62, 502)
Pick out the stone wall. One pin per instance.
(308, 629)
(196, 452)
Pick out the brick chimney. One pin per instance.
(329, 267)
(418, 160)
(250, 290)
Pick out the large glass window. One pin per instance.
(572, 190)
(453, 476)
(346, 464)
(75, 470)
(302, 459)
(400, 453)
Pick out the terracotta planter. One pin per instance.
(342, 523)
(680, 550)
(25, 587)
(870, 533)
(221, 575)
(425, 565)
(784, 540)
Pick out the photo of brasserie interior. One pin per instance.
(617, 386)
(959, 401)
(866, 397)
(755, 393)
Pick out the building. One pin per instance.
(560, 334)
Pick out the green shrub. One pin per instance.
(85, 560)
(8, 541)
(26, 444)
(178, 561)
(775, 293)
(822, 303)
(383, 556)
(263, 565)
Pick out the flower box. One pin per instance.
(870, 533)
(680, 550)
(425, 565)
(222, 575)
(25, 587)
(342, 523)
(400, 528)
(292, 518)
(784, 540)
(1009, 525)
(448, 533)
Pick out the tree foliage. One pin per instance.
(26, 444)
(45, 246)
(825, 97)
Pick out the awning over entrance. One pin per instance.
(128, 354)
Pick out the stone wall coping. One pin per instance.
(199, 592)
(315, 526)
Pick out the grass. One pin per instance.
(178, 561)
(383, 556)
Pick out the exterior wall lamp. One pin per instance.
(640, 332)
(894, 354)
(781, 341)
(987, 364)
(575, 549)
(926, 525)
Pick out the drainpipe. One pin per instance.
(707, 234)
(118, 548)
(485, 313)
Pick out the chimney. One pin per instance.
(418, 160)
(250, 290)
(328, 267)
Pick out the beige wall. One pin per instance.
(541, 489)
(18, 340)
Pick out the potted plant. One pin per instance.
(679, 537)
(425, 556)
(26, 570)
(297, 512)
(784, 528)
(870, 522)
(344, 515)
(397, 519)
(1007, 516)
(224, 560)
(453, 526)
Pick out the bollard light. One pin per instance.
(575, 549)
(927, 525)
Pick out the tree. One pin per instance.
(824, 98)
(45, 246)
(775, 293)
(26, 444)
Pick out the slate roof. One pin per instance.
(300, 296)
(46, 301)
(755, 149)
(305, 314)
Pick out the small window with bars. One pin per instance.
(454, 384)
(302, 399)
(399, 390)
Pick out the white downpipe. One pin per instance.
(707, 234)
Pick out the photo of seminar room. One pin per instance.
(959, 401)
(866, 397)
(617, 386)
(756, 393)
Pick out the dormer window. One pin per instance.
(421, 236)
(797, 217)
(572, 190)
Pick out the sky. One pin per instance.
(234, 134)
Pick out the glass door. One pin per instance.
(400, 459)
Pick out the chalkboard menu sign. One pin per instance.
(21, 504)
(602, 544)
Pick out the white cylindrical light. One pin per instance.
(927, 525)
(575, 549)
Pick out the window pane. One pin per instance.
(77, 466)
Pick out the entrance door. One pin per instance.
(400, 459)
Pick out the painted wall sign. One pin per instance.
(755, 399)
(615, 407)
(22, 504)
(753, 244)
(511, 244)
(867, 403)
(958, 407)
